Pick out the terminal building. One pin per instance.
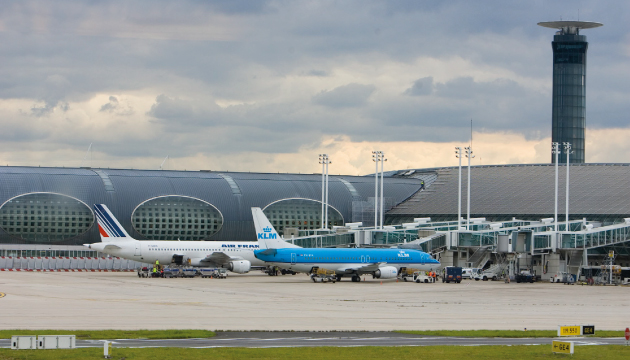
(48, 211)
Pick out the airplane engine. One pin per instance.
(386, 272)
(240, 266)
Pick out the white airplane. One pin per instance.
(236, 256)
(381, 263)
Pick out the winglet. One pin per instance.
(109, 228)
(267, 236)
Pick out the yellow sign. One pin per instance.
(569, 330)
(564, 347)
(611, 254)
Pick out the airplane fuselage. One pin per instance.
(344, 260)
(148, 251)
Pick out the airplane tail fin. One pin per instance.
(267, 236)
(109, 228)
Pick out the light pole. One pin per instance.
(567, 150)
(324, 160)
(321, 158)
(555, 149)
(382, 164)
(469, 155)
(376, 157)
(458, 152)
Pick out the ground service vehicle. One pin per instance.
(486, 275)
(452, 274)
(524, 276)
(422, 277)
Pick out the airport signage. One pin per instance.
(588, 329)
(627, 334)
(562, 347)
(572, 330)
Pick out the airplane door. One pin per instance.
(292, 258)
(138, 252)
(364, 258)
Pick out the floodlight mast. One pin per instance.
(376, 156)
(324, 160)
(567, 150)
(382, 164)
(458, 154)
(469, 155)
(555, 149)
(326, 209)
(323, 186)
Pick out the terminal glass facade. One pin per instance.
(176, 218)
(304, 214)
(45, 217)
(569, 95)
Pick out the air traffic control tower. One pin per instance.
(568, 110)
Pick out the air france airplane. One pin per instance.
(381, 263)
(236, 256)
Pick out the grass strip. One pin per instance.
(328, 353)
(504, 333)
(115, 334)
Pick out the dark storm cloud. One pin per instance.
(421, 87)
(351, 95)
(111, 105)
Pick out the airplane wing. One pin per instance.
(220, 258)
(362, 268)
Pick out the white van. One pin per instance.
(466, 273)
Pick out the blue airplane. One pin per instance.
(380, 263)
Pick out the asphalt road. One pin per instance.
(340, 339)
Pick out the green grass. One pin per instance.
(115, 334)
(329, 353)
(504, 333)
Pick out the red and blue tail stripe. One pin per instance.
(108, 226)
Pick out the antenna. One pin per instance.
(86, 154)
(162, 164)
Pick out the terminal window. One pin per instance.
(161, 213)
(299, 212)
(56, 224)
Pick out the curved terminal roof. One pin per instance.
(232, 193)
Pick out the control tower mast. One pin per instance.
(568, 110)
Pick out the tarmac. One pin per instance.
(254, 301)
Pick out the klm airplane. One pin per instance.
(380, 263)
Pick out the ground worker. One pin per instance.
(155, 271)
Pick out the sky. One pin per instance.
(267, 86)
